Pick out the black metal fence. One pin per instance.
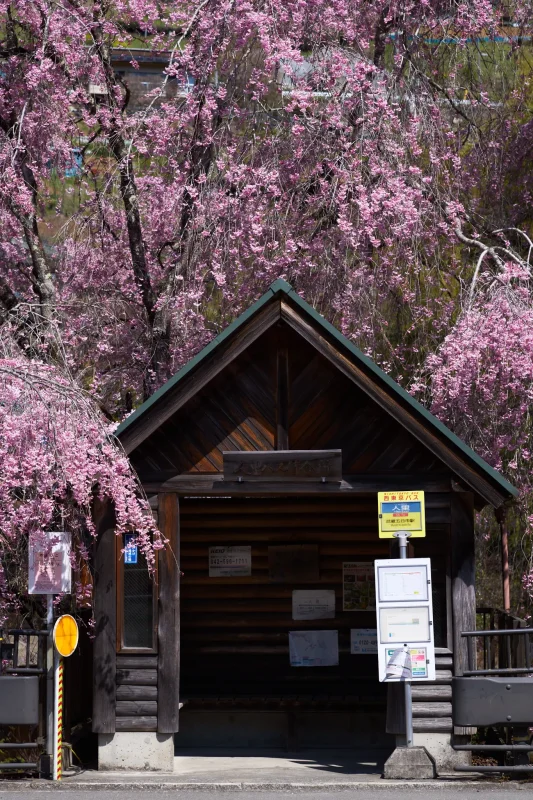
(24, 696)
(499, 666)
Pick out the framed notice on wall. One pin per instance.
(358, 586)
(226, 562)
(314, 648)
(313, 604)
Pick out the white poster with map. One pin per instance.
(314, 648)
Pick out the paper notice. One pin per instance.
(359, 591)
(363, 641)
(415, 665)
(400, 584)
(403, 625)
(419, 665)
(314, 648)
(398, 665)
(313, 604)
(227, 562)
(49, 569)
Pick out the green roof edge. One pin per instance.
(281, 286)
(276, 287)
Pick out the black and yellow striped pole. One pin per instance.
(65, 640)
(58, 718)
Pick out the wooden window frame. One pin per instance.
(121, 647)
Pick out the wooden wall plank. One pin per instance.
(431, 709)
(436, 725)
(136, 724)
(351, 484)
(431, 692)
(105, 613)
(136, 662)
(136, 708)
(126, 692)
(136, 677)
(169, 618)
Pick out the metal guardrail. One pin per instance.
(24, 665)
(503, 650)
(522, 650)
(27, 668)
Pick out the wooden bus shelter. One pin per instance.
(276, 437)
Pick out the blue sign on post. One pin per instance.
(130, 553)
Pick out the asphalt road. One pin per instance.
(509, 791)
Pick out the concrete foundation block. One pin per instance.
(439, 745)
(410, 763)
(152, 752)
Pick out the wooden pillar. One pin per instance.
(282, 400)
(463, 575)
(168, 662)
(501, 515)
(105, 613)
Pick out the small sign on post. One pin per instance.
(50, 573)
(49, 570)
(401, 511)
(66, 635)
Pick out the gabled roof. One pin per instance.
(460, 458)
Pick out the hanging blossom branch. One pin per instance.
(500, 255)
(57, 454)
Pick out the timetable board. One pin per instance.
(404, 613)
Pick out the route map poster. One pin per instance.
(314, 648)
(358, 586)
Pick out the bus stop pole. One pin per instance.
(50, 681)
(402, 541)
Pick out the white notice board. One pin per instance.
(398, 583)
(313, 604)
(363, 641)
(49, 569)
(403, 624)
(404, 612)
(226, 562)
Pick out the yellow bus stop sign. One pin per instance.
(401, 511)
(66, 635)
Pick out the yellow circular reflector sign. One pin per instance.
(66, 635)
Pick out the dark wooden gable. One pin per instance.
(279, 378)
(235, 411)
(238, 410)
(327, 411)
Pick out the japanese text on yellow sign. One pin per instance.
(401, 511)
